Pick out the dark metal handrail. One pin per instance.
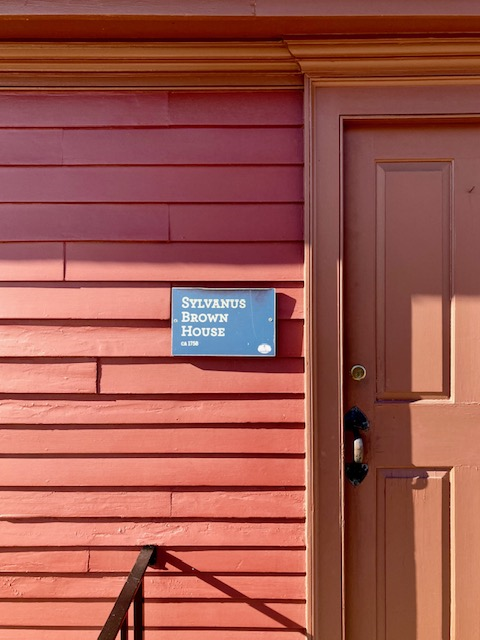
(132, 591)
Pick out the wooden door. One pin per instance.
(412, 319)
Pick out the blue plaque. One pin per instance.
(223, 322)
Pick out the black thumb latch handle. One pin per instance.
(356, 421)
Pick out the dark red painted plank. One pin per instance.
(203, 375)
(172, 146)
(114, 439)
(152, 184)
(236, 108)
(236, 222)
(47, 376)
(184, 261)
(290, 338)
(81, 300)
(30, 146)
(162, 471)
(152, 411)
(83, 222)
(86, 109)
(31, 261)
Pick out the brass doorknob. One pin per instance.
(358, 372)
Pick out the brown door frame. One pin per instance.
(329, 106)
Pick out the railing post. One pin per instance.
(132, 592)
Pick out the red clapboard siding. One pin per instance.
(202, 375)
(163, 411)
(151, 504)
(240, 615)
(95, 109)
(122, 533)
(85, 109)
(59, 340)
(98, 560)
(243, 560)
(164, 586)
(154, 439)
(171, 146)
(31, 261)
(21, 633)
(89, 301)
(152, 184)
(236, 222)
(47, 376)
(184, 261)
(102, 222)
(146, 471)
(108, 443)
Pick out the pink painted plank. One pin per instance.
(235, 108)
(65, 301)
(276, 375)
(83, 222)
(39, 561)
(153, 439)
(47, 376)
(270, 560)
(164, 411)
(85, 109)
(56, 533)
(150, 504)
(54, 340)
(162, 471)
(163, 586)
(31, 261)
(184, 261)
(172, 146)
(223, 504)
(152, 184)
(171, 614)
(236, 222)
(22, 633)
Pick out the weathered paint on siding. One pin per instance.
(108, 443)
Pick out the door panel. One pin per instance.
(412, 319)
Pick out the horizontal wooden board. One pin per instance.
(47, 376)
(229, 107)
(88, 109)
(151, 411)
(151, 504)
(98, 560)
(115, 439)
(31, 261)
(203, 375)
(184, 261)
(152, 184)
(117, 108)
(240, 615)
(145, 471)
(85, 301)
(35, 339)
(101, 222)
(162, 586)
(236, 222)
(80, 533)
(22, 633)
(169, 146)
(243, 560)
